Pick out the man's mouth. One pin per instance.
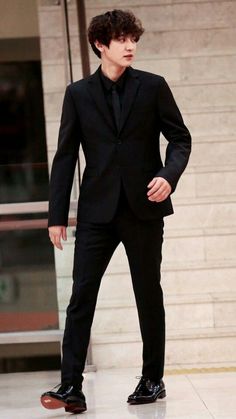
(128, 56)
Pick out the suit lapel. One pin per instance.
(131, 89)
(96, 91)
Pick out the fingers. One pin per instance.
(57, 242)
(64, 235)
(56, 233)
(152, 183)
(159, 190)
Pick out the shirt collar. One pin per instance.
(108, 83)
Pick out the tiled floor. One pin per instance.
(199, 396)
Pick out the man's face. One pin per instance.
(120, 52)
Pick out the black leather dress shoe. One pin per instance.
(67, 396)
(147, 391)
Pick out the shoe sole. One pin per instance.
(53, 403)
(161, 395)
(75, 409)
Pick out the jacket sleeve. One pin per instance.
(64, 163)
(176, 133)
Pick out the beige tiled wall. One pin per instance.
(192, 44)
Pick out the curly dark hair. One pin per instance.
(110, 25)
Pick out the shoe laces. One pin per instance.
(142, 381)
(57, 386)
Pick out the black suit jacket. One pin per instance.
(132, 155)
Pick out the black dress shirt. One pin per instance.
(107, 85)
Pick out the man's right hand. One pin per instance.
(56, 233)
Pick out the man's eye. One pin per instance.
(121, 39)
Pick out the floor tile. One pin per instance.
(217, 391)
(193, 396)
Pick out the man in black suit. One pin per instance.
(117, 115)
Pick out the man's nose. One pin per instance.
(129, 45)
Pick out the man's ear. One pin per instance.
(99, 46)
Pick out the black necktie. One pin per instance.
(116, 105)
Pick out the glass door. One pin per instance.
(28, 298)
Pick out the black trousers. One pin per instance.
(94, 246)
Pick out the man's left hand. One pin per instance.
(159, 190)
